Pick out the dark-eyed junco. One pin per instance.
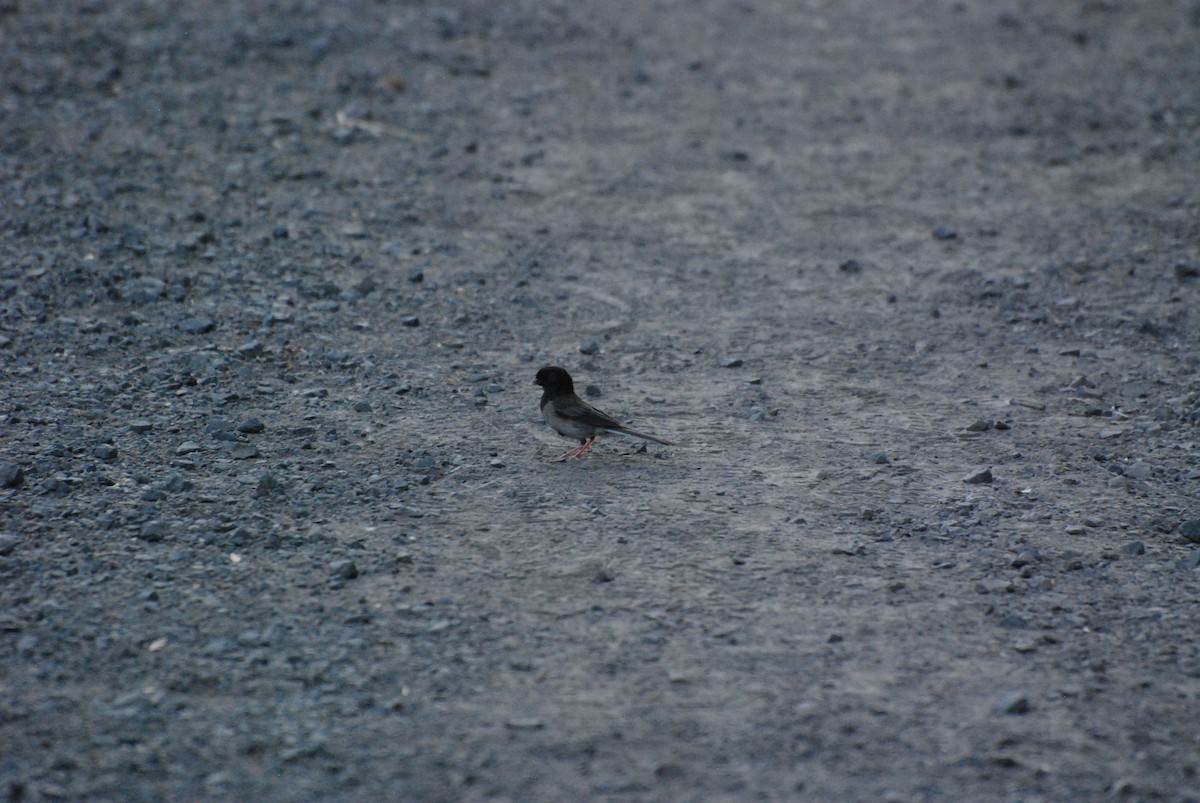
(572, 417)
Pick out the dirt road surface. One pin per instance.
(912, 287)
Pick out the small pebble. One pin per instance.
(1138, 470)
(105, 451)
(731, 362)
(362, 406)
(411, 321)
(656, 399)
(1024, 558)
(177, 483)
(153, 531)
(524, 724)
(1149, 327)
(943, 232)
(1075, 529)
(8, 542)
(880, 459)
(496, 462)
(250, 349)
(589, 347)
(141, 425)
(1191, 530)
(11, 475)
(979, 476)
(251, 426)
(1134, 548)
(982, 425)
(1016, 702)
(267, 484)
(197, 325)
(344, 569)
(187, 447)
(243, 451)
(593, 391)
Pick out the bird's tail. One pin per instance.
(635, 434)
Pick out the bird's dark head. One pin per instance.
(555, 381)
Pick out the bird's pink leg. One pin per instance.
(579, 452)
(567, 455)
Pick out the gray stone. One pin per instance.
(731, 362)
(1016, 702)
(11, 475)
(268, 484)
(177, 483)
(243, 451)
(1025, 557)
(187, 447)
(250, 349)
(197, 325)
(251, 426)
(1134, 548)
(411, 321)
(979, 476)
(589, 347)
(1137, 470)
(105, 451)
(1191, 530)
(344, 568)
(8, 542)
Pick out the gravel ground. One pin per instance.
(914, 288)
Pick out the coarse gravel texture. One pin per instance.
(914, 288)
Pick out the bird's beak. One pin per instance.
(533, 383)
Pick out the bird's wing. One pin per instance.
(579, 411)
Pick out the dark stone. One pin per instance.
(11, 475)
(1191, 530)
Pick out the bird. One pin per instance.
(572, 417)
